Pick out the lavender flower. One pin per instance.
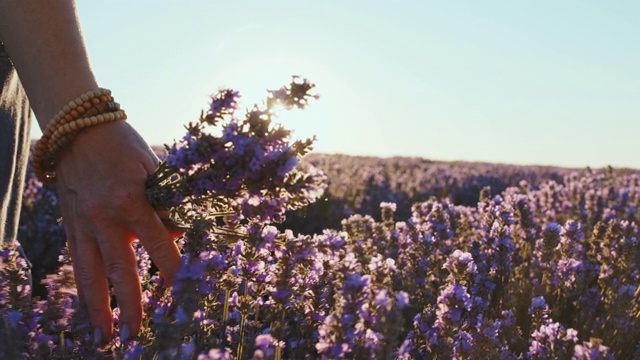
(250, 169)
(460, 265)
(592, 350)
(223, 103)
(551, 340)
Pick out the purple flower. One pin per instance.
(388, 206)
(265, 346)
(592, 351)
(460, 263)
(217, 354)
(453, 302)
(135, 352)
(14, 317)
(223, 103)
(402, 299)
(538, 303)
(382, 299)
(568, 271)
(551, 340)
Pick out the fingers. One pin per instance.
(93, 288)
(121, 268)
(163, 214)
(142, 220)
(101, 249)
(89, 273)
(158, 242)
(165, 218)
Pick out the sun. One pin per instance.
(254, 76)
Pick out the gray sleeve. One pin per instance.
(15, 123)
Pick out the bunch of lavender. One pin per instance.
(248, 169)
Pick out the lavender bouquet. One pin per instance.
(249, 170)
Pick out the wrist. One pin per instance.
(92, 108)
(49, 104)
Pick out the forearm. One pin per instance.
(45, 44)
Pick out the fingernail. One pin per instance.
(124, 333)
(97, 336)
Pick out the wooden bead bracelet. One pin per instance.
(77, 107)
(69, 113)
(67, 133)
(73, 126)
(89, 109)
(50, 133)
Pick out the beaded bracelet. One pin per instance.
(89, 101)
(89, 109)
(71, 127)
(75, 107)
(68, 133)
(84, 104)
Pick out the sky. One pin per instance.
(522, 82)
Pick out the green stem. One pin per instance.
(225, 312)
(220, 231)
(157, 179)
(278, 352)
(240, 345)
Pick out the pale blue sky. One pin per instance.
(523, 82)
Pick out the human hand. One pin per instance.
(101, 185)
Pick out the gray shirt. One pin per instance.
(15, 124)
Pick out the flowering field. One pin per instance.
(384, 259)
(357, 185)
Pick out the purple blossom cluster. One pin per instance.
(542, 269)
(245, 166)
(32, 328)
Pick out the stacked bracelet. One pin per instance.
(89, 109)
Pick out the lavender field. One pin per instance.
(546, 266)
(356, 258)
(360, 184)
